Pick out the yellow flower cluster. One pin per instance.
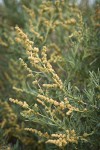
(29, 112)
(35, 82)
(41, 102)
(31, 52)
(41, 64)
(71, 109)
(56, 54)
(25, 66)
(17, 89)
(58, 81)
(47, 99)
(55, 77)
(20, 103)
(50, 85)
(45, 135)
(24, 40)
(34, 58)
(62, 140)
(44, 55)
(8, 116)
(60, 105)
(71, 21)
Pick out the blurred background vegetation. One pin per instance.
(12, 136)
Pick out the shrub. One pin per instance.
(65, 95)
(59, 92)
